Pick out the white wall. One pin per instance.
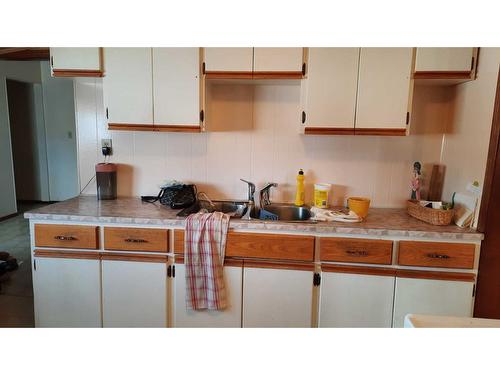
(253, 134)
(465, 147)
(26, 72)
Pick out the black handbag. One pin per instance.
(176, 196)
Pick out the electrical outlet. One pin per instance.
(106, 143)
(106, 147)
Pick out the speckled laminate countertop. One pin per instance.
(380, 221)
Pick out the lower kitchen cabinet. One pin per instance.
(134, 293)
(67, 292)
(433, 297)
(277, 297)
(229, 317)
(353, 300)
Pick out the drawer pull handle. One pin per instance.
(357, 253)
(438, 256)
(65, 238)
(135, 240)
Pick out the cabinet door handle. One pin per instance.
(65, 238)
(438, 256)
(135, 240)
(357, 253)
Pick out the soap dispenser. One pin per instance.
(299, 196)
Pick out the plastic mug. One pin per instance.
(359, 205)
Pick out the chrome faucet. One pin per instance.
(265, 200)
(251, 200)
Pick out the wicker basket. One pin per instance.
(429, 215)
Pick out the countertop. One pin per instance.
(435, 321)
(380, 221)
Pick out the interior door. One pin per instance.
(230, 317)
(67, 292)
(354, 301)
(433, 297)
(134, 293)
(277, 297)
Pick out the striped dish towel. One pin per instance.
(204, 249)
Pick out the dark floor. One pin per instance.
(16, 294)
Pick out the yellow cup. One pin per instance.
(359, 205)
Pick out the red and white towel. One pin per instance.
(204, 249)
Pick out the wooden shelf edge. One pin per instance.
(76, 73)
(381, 131)
(316, 130)
(253, 75)
(155, 128)
(465, 75)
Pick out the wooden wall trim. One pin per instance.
(359, 270)
(39, 253)
(380, 131)
(318, 130)
(77, 73)
(278, 265)
(491, 161)
(155, 128)
(436, 275)
(150, 258)
(465, 75)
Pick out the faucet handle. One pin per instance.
(264, 193)
(251, 189)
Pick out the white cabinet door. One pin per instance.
(75, 58)
(227, 59)
(383, 88)
(277, 297)
(176, 86)
(134, 294)
(266, 59)
(349, 300)
(433, 297)
(444, 59)
(230, 317)
(128, 85)
(67, 292)
(329, 91)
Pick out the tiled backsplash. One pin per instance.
(254, 134)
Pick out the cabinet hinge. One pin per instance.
(34, 264)
(303, 69)
(169, 271)
(173, 270)
(52, 61)
(472, 64)
(202, 115)
(316, 279)
(407, 118)
(303, 117)
(107, 113)
(203, 68)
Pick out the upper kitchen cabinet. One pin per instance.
(76, 62)
(445, 65)
(226, 62)
(176, 88)
(278, 62)
(328, 94)
(384, 91)
(128, 87)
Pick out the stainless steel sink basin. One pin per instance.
(285, 212)
(234, 209)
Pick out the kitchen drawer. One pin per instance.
(436, 254)
(262, 246)
(136, 239)
(353, 250)
(72, 236)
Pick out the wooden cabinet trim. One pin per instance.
(66, 236)
(42, 253)
(178, 241)
(156, 128)
(465, 75)
(354, 250)
(136, 239)
(77, 73)
(277, 75)
(230, 262)
(228, 75)
(278, 265)
(253, 75)
(436, 275)
(436, 254)
(360, 270)
(318, 130)
(380, 131)
(150, 258)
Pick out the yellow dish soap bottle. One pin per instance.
(299, 196)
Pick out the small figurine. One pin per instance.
(415, 181)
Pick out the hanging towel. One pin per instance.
(321, 214)
(204, 249)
